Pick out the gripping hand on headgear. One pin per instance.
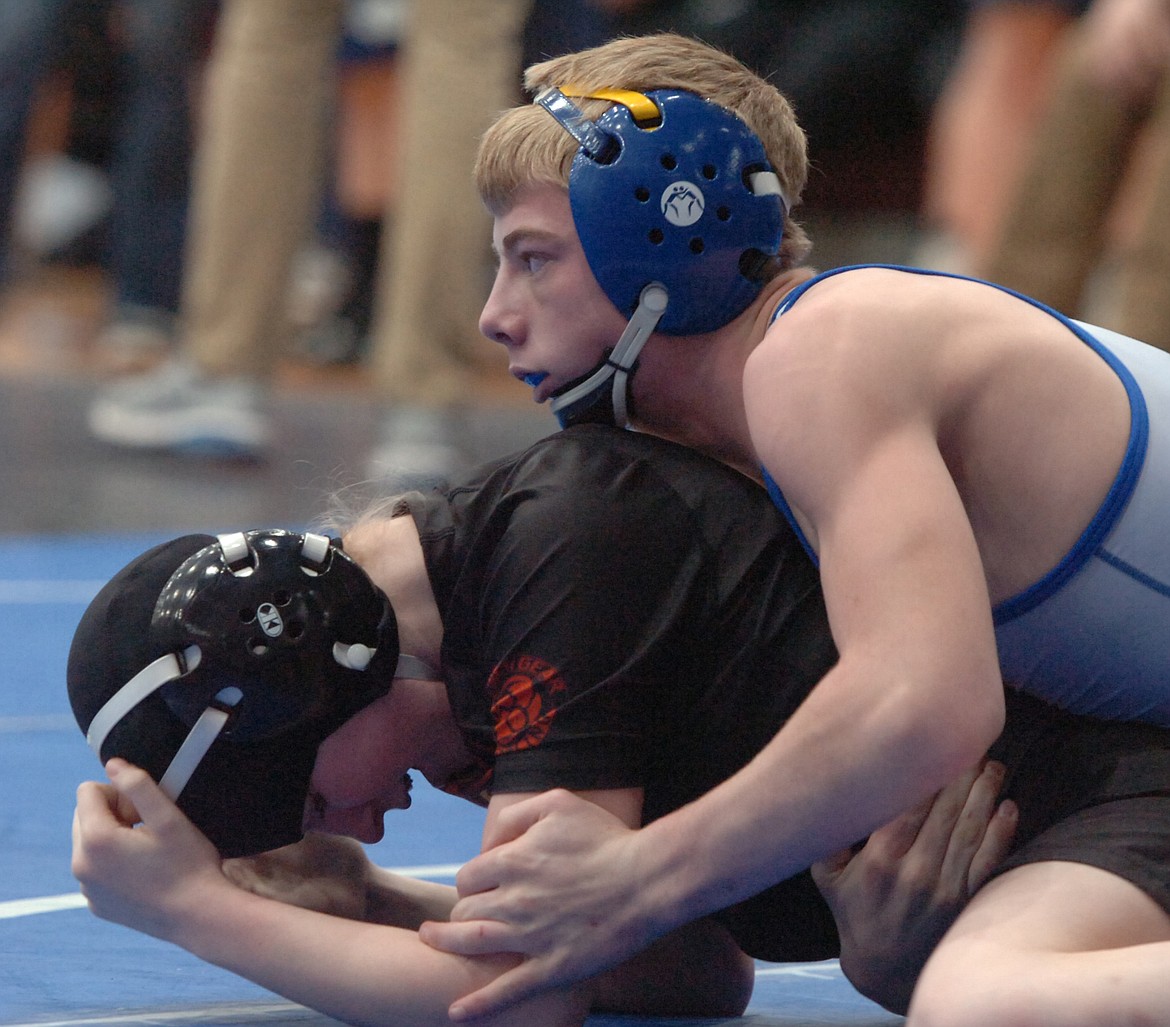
(139, 860)
(557, 884)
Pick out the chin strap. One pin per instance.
(144, 684)
(215, 717)
(598, 144)
(415, 668)
(197, 743)
(619, 365)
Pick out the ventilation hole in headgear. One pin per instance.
(697, 245)
(723, 213)
(667, 161)
(281, 597)
(642, 194)
(753, 264)
(655, 236)
(710, 171)
(247, 616)
(295, 629)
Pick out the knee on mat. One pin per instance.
(975, 997)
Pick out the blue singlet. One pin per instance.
(1093, 635)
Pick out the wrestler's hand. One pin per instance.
(558, 887)
(895, 897)
(323, 872)
(139, 860)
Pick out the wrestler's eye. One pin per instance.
(533, 262)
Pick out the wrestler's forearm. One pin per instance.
(838, 770)
(400, 901)
(355, 972)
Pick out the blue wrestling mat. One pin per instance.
(61, 966)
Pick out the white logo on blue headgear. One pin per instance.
(682, 203)
(270, 620)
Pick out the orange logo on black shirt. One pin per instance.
(522, 708)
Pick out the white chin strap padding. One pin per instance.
(147, 681)
(198, 741)
(144, 684)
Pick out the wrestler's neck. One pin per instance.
(690, 388)
(390, 552)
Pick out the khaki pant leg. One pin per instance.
(257, 176)
(1053, 228)
(461, 65)
(1144, 280)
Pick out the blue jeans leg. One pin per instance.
(30, 35)
(150, 171)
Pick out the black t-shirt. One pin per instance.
(622, 612)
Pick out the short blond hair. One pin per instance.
(525, 146)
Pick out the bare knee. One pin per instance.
(974, 992)
(1004, 1007)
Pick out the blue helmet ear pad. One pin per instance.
(675, 204)
(276, 620)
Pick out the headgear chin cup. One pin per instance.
(685, 201)
(586, 399)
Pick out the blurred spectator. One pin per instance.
(460, 66)
(258, 173)
(339, 273)
(1107, 127)
(983, 120)
(862, 76)
(863, 73)
(332, 291)
(256, 182)
(555, 27)
(156, 43)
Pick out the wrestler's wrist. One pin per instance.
(663, 896)
(199, 923)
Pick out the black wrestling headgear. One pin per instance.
(219, 665)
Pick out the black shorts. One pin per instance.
(1089, 791)
(1092, 792)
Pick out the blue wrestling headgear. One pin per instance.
(678, 210)
(219, 665)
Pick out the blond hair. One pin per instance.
(525, 146)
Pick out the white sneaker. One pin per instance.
(177, 408)
(419, 448)
(133, 344)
